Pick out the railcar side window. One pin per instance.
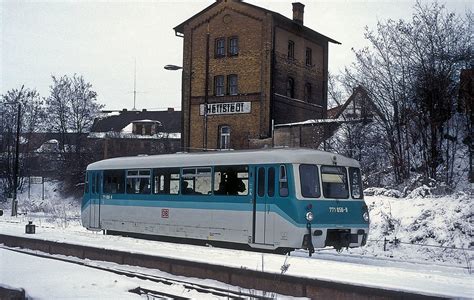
(166, 181)
(93, 183)
(196, 181)
(271, 182)
(86, 185)
(334, 181)
(231, 180)
(261, 182)
(356, 183)
(114, 182)
(138, 181)
(309, 180)
(283, 182)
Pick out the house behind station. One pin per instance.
(132, 132)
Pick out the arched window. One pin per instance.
(224, 137)
(290, 87)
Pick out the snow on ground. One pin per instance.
(418, 218)
(49, 279)
(444, 221)
(437, 280)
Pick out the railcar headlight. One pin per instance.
(309, 216)
(366, 216)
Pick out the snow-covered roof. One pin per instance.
(129, 135)
(128, 128)
(267, 156)
(146, 121)
(320, 121)
(52, 141)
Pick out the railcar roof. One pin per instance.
(267, 156)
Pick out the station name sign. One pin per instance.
(226, 108)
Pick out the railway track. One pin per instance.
(189, 285)
(252, 280)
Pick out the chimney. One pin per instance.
(298, 12)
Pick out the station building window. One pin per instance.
(290, 87)
(308, 92)
(224, 137)
(219, 89)
(233, 46)
(219, 47)
(309, 57)
(291, 50)
(232, 84)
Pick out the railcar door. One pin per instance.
(94, 221)
(264, 194)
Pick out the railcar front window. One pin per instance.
(334, 180)
(356, 183)
(309, 179)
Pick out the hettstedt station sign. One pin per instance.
(226, 108)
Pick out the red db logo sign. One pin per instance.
(165, 213)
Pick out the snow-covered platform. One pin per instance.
(440, 281)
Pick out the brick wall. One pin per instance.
(262, 69)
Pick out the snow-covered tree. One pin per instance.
(31, 111)
(411, 72)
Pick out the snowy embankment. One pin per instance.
(420, 226)
(442, 224)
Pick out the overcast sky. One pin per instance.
(102, 39)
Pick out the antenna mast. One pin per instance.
(135, 87)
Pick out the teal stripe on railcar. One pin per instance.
(321, 219)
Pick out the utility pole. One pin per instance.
(206, 92)
(17, 155)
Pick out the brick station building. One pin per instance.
(246, 68)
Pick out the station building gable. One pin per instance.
(240, 75)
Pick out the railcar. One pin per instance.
(275, 199)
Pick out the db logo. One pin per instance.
(165, 213)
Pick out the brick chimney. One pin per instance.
(298, 12)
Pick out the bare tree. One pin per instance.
(31, 120)
(411, 72)
(72, 107)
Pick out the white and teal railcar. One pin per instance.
(276, 199)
